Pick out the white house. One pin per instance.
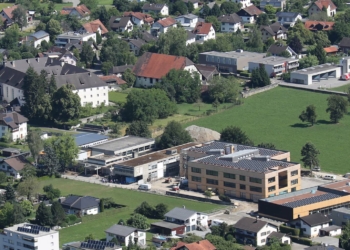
(7, 15)
(125, 234)
(188, 20)
(68, 58)
(277, 49)
(26, 236)
(318, 6)
(249, 14)
(162, 26)
(194, 2)
(244, 3)
(135, 45)
(14, 164)
(281, 237)
(139, 19)
(288, 18)
(151, 67)
(80, 205)
(15, 124)
(275, 31)
(191, 219)
(250, 231)
(73, 37)
(121, 24)
(191, 38)
(36, 38)
(156, 8)
(231, 23)
(204, 31)
(93, 27)
(274, 65)
(80, 11)
(311, 224)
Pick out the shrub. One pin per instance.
(225, 198)
(72, 218)
(289, 230)
(63, 224)
(246, 74)
(303, 241)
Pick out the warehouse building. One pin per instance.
(320, 199)
(316, 74)
(240, 171)
(275, 65)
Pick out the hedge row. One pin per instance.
(299, 240)
(289, 230)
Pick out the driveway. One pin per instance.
(296, 246)
(326, 240)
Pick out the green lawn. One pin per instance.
(344, 88)
(115, 96)
(272, 116)
(131, 199)
(59, 6)
(105, 2)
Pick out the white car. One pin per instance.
(316, 168)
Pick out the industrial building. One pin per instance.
(240, 171)
(320, 199)
(316, 74)
(275, 65)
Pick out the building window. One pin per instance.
(263, 233)
(273, 179)
(211, 172)
(242, 178)
(229, 184)
(294, 173)
(263, 240)
(272, 188)
(212, 181)
(241, 186)
(196, 170)
(255, 180)
(229, 176)
(293, 182)
(196, 179)
(256, 189)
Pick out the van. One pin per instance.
(216, 222)
(145, 187)
(347, 175)
(329, 177)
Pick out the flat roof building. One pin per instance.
(320, 199)
(240, 171)
(84, 140)
(275, 65)
(73, 37)
(315, 74)
(231, 61)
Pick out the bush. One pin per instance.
(289, 230)
(246, 74)
(72, 218)
(63, 224)
(303, 241)
(57, 175)
(225, 198)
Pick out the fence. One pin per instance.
(251, 92)
(91, 118)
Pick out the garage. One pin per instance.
(314, 74)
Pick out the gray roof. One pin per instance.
(188, 16)
(274, 28)
(180, 213)
(287, 14)
(277, 49)
(311, 200)
(118, 22)
(276, 235)
(251, 225)
(136, 42)
(121, 69)
(80, 203)
(81, 81)
(342, 210)
(122, 143)
(121, 230)
(315, 219)
(315, 69)
(331, 228)
(40, 34)
(144, 35)
(329, 247)
(190, 35)
(86, 138)
(153, 6)
(166, 224)
(232, 18)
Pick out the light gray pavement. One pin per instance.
(326, 240)
(328, 85)
(296, 246)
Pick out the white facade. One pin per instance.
(9, 171)
(69, 59)
(163, 11)
(314, 9)
(74, 12)
(248, 19)
(206, 37)
(70, 37)
(20, 133)
(190, 40)
(260, 237)
(230, 27)
(141, 237)
(96, 96)
(13, 239)
(161, 28)
(136, 21)
(187, 22)
(283, 20)
(274, 65)
(191, 223)
(244, 3)
(90, 211)
(37, 42)
(279, 35)
(315, 74)
(311, 231)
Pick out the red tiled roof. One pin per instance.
(166, 22)
(311, 25)
(81, 9)
(331, 49)
(156, 66)
(202, 28)
(118, 80)
(8, 11)
(252, 10)
(199, 245)
(325, 3)
(93, 26)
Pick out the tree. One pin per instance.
(263, 20)
(87, 54)
(229, 7)
(138, 221)
(28, 187)
(223, 89)
(102, 206)
(3, 177)
(65, 104)
(208, 194)
(6, 215)
(309, 154)
(308, 61)
(145, 209)
(269, 9)
(296, 45)
(260, 77)
(214, 21)
(43, 215)
(58, 213)
(35, 143)
(234, 134)
(190, 7)
(27, 207)
(89, 237)
(266, 145)
(309, 115)
(116, 129)
(216, 104)
(53, 27)
(173, 42)
(106, 67)
(344, 240)
(10, 193)
(320, 54)
(52, 86)
(91, 4)
(285, 54)
(173, 135)
(116, 51)
(215, 11)
(337, 107)
(255, 42)
(11, 37)
(139, 128)
(160, 210)
(50, 160)
(206, 11)
(129, 77)
(51, 192)
(20, 16)
(18, 214)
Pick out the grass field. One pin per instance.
(115, 96)
(272, 116)
(105, 2)
(131, 199)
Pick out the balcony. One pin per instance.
(293, 65)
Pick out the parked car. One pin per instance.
(145, 187)
(329, 177)
(316, 168)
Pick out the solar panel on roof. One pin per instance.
(310, 200)
(8, 119)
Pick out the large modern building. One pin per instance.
(231, 61)
(74, 37)
(240, 171)
(320, 199)
(27, 236)
(316, 74)
(275, 65)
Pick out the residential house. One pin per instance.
(319, 25)
(151, 67)
(13, 165)
(114, 82)
(207, 72)
(14, 124)
(79, 45)
(73, 37)
(204, 31)
(277, 49)
(244, 3)
(311, 224)
(288, 19)
(162, 26)
(36, 38)
(198, 245)
(340, 216)
(250, 231)
(120, 24)
(331, 231)
(80, 205)
(188, 20)
(344, 44)
(249, 14)
(281, 237)
(93, 27)
(230, 23)
(26, 236)
(279, 4)
(275, 65)
(7, 16)
(91, 244)
(147, 37)
(139, 19)
(81, 11)
(191, 38)
(275, 31)
(194, 2)
(331, 50)
(135, 45)
(191, 219)
(125, 235)
(69, 58)
(210, 6)
(119, 70)
(156, 8)
(319, 5)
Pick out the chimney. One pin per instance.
(27, 60)
(89, 74)
(13, 63)
(256, 218)
(62, 63)
(37, 59)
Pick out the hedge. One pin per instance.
(246, 74)
(289, 230)
(304, 241)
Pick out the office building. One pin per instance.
(275, 65)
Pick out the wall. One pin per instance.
(21, 132)
(264, 233)
(230, 27)
(9, 92)
(251, 92)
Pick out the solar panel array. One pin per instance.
(8, 119)
(40, 228)
(28, 230)
(311, 200)
(96, 244)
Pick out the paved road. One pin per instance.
(326, 240)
